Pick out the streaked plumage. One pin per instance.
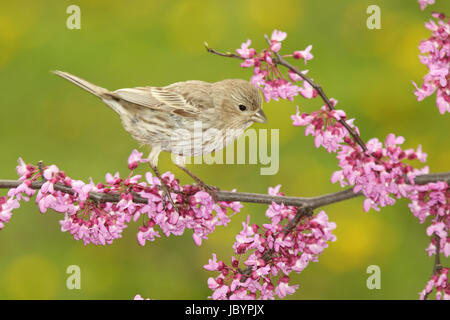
(169, 118)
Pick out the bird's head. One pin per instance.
(240, 101)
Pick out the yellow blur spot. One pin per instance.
(352, 26)
(9, 40)
(267, 15)
(15, 23)
(395, 43)
(100, 271)
(359, 239)
(32, 277)
(444, 159)
(191, 23)
(398, 44)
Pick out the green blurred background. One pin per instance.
(135, 43)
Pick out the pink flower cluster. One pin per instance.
(323, 125)
(439, 280)
(266, 76)
(433, 200)
(102, 222)
(15, 195)
(380, 174)
(436, 56)
(287, 251)
(425, 3)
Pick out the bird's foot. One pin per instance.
(212, 190)
(166, 191)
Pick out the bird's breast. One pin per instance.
(188, 136)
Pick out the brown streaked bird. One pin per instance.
(170, 118)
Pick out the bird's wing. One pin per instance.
(173, 99)
(180, 98)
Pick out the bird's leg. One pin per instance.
(166, 191)
(153, 162)
(210, 189)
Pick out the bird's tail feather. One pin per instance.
(86, 85)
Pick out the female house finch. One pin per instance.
(166, 118)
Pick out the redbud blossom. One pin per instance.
(436, 56)
(100, 223)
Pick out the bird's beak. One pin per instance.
(259, 117)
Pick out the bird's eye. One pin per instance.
(242, 107)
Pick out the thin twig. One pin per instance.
(437, 267)
(41, 169)
(226, 54)
(437, 259)
(281, 61)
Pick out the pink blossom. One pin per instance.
(435, 53)
(283, 288)
(278, 35)
(266, 75)
(431, 201)
(146, 234)
(291, 252)
(101, 223)
(324, 126)
(276, 89)
(275, 46)
(245, 51)
(438, 229)
(294, 76)
(304, 54)
(307, 91)
(6, 207)
(443, 100)
(248, 63)
(50, 172)
(212, 264)
(134, 159)
(220, 293)
(438, 281)
(22, 168)
(380, 175)
(424, 3)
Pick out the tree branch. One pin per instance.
(229, 196)
(226, 54)
(268, 255)
(281, 61)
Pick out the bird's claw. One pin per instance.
(167, 195)
(165, 190)
(212, 190)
